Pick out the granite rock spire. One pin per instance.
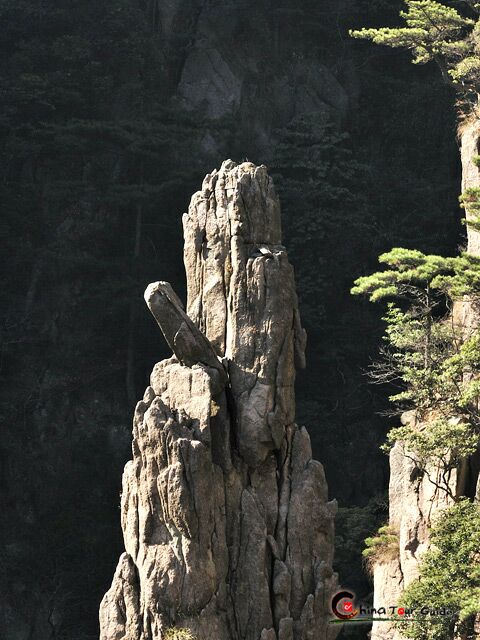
(227, 526)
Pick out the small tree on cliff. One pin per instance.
(434, 31)
(425, 355)
(438, 370)
(436, 364)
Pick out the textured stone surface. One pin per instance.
(414, 500)
(466, 312)
(469, 150)
(225, 73)
(227, 527)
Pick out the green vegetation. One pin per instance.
(432, 358)
(345, 199)
(352, 526)
(470, 200)
(381, 547)
(449, 578)
(98, 162)
(440, 33)
(179, 634)
(427, 355)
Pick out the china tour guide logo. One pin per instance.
(343, 607)
(345, 610)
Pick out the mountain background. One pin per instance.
(111, 113)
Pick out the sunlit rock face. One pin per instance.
(416, 499)
(227, 526)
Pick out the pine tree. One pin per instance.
(425, 354)
(440, 33)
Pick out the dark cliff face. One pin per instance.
(256, 65)
(111, 115)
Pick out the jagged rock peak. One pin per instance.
(227, 527)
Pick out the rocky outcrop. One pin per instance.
(227, 527)
(415, 498)
(469, 132)
(244, 63)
